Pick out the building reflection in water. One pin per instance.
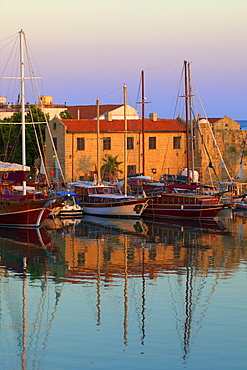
(130, 248)
(106, 253)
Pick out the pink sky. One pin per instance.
(89, 49)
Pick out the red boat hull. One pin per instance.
(183, 206)
(24, 213)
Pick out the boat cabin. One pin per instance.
(85, 189)
(185, 198)
(234, 188)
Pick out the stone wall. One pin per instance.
(229, 139)
(162, 160)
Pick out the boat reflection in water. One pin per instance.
(36, 237)
(104, 250)
(34, 277)
(131, 226)
(134, 276)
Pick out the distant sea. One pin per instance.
(243, 123)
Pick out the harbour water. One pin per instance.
(243, 124)
(117, 294)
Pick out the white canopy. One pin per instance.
(5, 166)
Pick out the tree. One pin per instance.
(110, 166)
(65, 114)
(10, 136)
(84, 164)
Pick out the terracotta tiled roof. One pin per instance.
(90, 125)
(213, 120)
(90, 111)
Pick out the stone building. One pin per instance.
(7, 109)
(76, 144)
(214, 140)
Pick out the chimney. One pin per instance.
(108, 116)
(153, 117)
(78, 113)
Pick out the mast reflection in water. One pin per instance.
(124, 293)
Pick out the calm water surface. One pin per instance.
(110, 294)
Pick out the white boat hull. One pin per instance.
(130, 209)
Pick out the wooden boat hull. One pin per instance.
(122, 208)
(24, 213)
(183, 211)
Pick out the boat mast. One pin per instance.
(187, 121)
(98, 144)
(22, 36)
(143, 102)
(191, 126)
(125, 143)
(143, 129)
(24, 316)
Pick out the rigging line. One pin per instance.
(138, 92)
(7, 144)
(149, 94)
(54, 149)
(14, 35)
(37, 318)
(14, 48)
(207, 303)
(195, 114)
(13, 73)
(8, 44)
(34, 82)
(120, 88)
(205, 149)
(39, 149)
(29, 136)
(15, 144)
(45, 116)
(3, 155)
(211, 131)
(178, 92)
(164, 65)
(33, 58)
(129, 100)
(10, 54)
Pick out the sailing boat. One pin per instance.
(26, 210)
(108, 200)
(179, 201)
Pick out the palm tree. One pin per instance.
(110, 167)
(83, 165)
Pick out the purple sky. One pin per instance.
(88, 49)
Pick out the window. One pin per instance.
(55, 142)
(176, 142)
(81, 259)
(152, 143)
(54, 126)
(106, 143)
(131, 170)
(130, 143)
(80, 143)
